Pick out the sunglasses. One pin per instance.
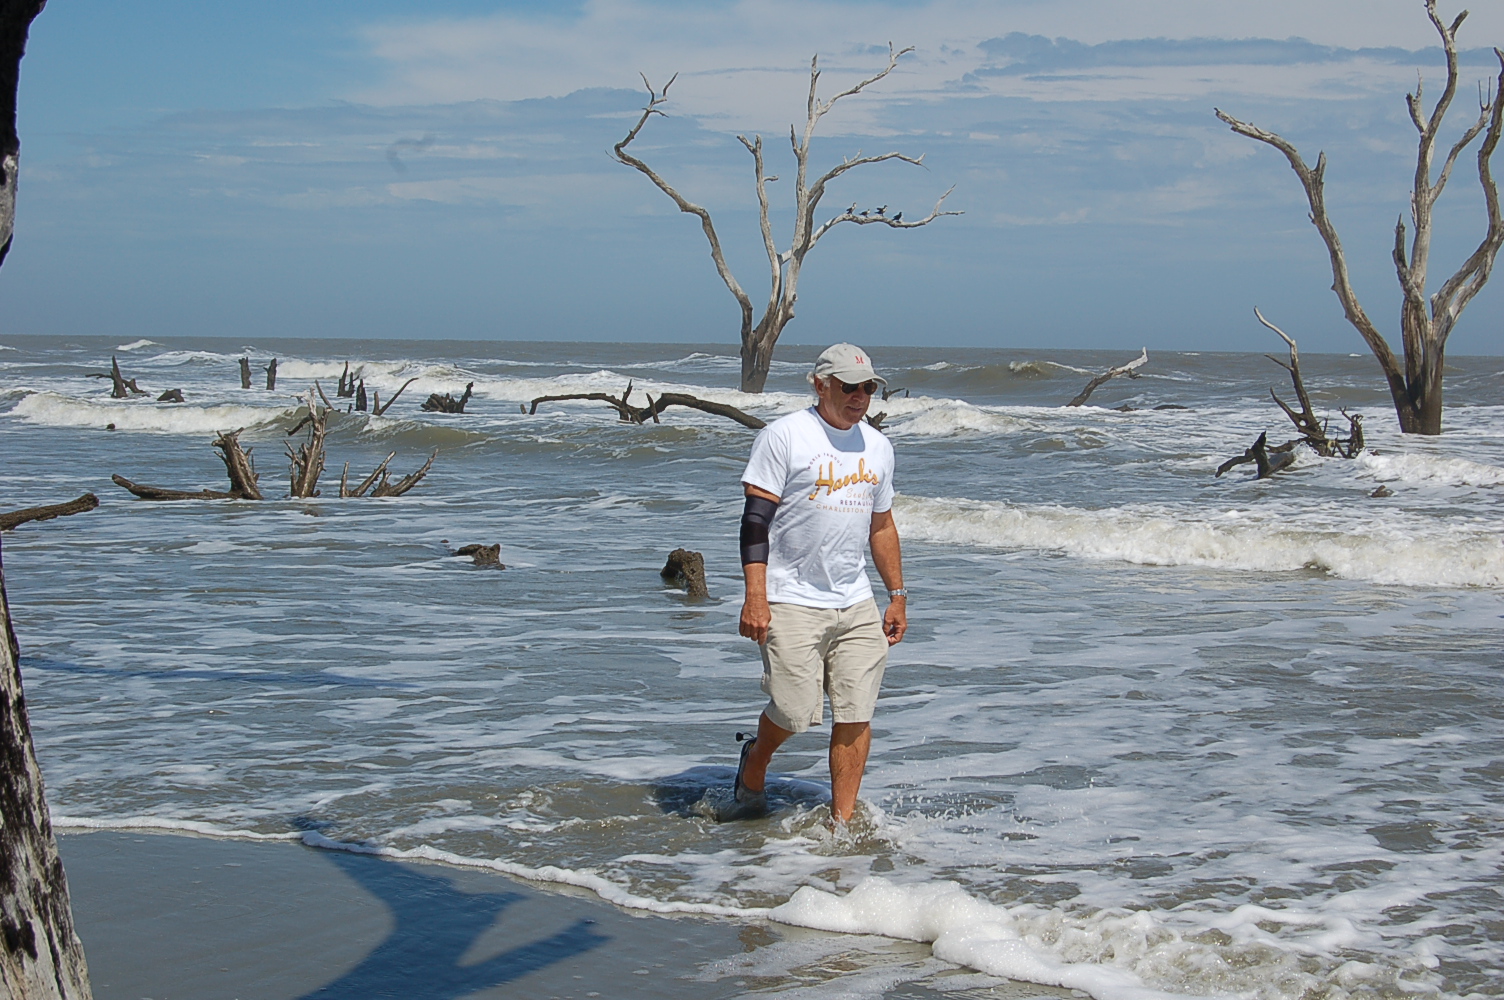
(869, 387)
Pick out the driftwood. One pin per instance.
(1313, 432)
(239, 466)
(440, 404)
(379, 477)
(686, 569)
(245, 373)
(1267, 460)
(642, 414)
(1108, 375)
(378, 409)
(308, 458)
(16, 517)
(784, 266)
(271, 375)
(890, 393)
(360, 396)
(121, 386)
(172, 396)
(482, 555)
(346, 389)
(876, 420)
(165, 493)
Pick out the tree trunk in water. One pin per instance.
(757, 355)
(40, 954)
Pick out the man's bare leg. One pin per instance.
(849, 744)
(770, 737)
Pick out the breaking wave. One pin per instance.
(1410, 553)
(50, 409)
(1430, 470)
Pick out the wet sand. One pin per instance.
(187, 918)
(167, 917)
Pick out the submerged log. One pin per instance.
(442, 404)
(641, 414)
(164, 493)
(42, 955)
(686, 569)
(121, 387)
(1267, 460)
(172, 396)
(482, 555)
(17, 517)
(245, 373)
(1108, 375)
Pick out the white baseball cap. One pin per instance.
(846, 362)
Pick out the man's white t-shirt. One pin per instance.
(830, 482)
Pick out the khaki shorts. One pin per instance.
(812, 652)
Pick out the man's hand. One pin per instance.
(756, 616)
(895, 620)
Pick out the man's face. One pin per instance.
(841, 408)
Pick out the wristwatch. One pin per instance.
(900, 592)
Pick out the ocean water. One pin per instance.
(1152, 733)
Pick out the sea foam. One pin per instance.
(1400, 552)
(52, 409)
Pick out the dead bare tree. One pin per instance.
(642, 414)
(1099, 380)
(41, 957)
(758, 338)
(15, 518)
(378, 477)
(1313, 431)
(1415, 386)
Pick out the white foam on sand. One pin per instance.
(53, 409)
(1406, 551)
(993, 939)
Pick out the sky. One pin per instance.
(375, 168)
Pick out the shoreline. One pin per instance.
(176, 915)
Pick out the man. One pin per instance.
(819, 491)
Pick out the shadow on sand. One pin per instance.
(435, 925)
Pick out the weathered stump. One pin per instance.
(121, 387)
(172, 396)
(245, 373)
(482, 555)
(686, 569)
(40, 953)
(271, 374)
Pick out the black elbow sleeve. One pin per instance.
(757, 514)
